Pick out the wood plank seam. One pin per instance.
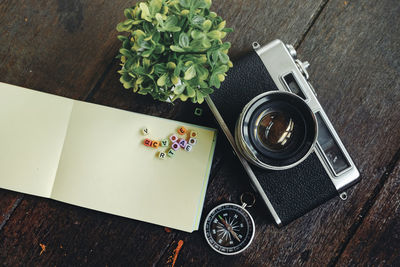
(366, 208)
(7, 216)
(313, 20)
(96, 87)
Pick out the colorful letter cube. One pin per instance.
(193, 134)
(164, 142)
(182, 130)
(188, 148)
(192, 141)
(182, 142)
(148, 142)
(162, 155)
(173, 138)
(171, 153)
(155, 144)
(175, 146)
(145, 131)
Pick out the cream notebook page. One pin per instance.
(105, 166)
(93, 156)
(32, 131)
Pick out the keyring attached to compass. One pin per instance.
(229, 228)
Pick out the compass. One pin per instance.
(229, 228)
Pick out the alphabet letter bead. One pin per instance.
(148, 142)
(156, 144)
(182, 130)
(192, 141)
(162, 155)
(182, 142)
(188, 148)
(193, 134)
(173, 138)
(171, 153)
(164, 142)
(145, 131)
(175, 146)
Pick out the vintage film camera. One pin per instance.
(271, 116)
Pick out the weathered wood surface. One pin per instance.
(377, 240)
(353, 49)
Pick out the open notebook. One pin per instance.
(93, 156)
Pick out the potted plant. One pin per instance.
(173, 50)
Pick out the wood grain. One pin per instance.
(377, 241)
(353, 49)
(61, 47)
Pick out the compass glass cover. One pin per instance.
(229, 229)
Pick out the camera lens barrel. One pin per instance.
(276, 130)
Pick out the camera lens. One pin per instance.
(276, 130)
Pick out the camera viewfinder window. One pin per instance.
(331, 149)
(293, 86)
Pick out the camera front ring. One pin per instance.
(276, 130)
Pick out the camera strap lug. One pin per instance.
(343, 196)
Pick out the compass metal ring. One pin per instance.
(248, 196)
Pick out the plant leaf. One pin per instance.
(190, 73)
(145, 11)
(176, 48)
(198, 20)
(223, 57)
(197, 34)
(128, 13)
(190, 92)
(125, 52)
(200, 97)
(162, 80)
(155, 6)
(185, 3)
(183, 40)
(179, 89)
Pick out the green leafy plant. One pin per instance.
(174, 49)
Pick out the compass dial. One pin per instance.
(229, 229)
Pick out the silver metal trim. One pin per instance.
(291, 50)
(287, 85)
(243, 161)
(327, 160)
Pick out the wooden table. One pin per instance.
(67, 48)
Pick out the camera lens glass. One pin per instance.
(278, 129)
(274, 130)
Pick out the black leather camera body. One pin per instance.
(270, 114)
